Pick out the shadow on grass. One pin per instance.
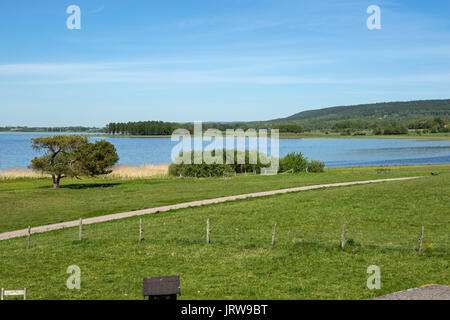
(353, 247)
(88, 185)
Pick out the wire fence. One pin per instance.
(145, 231)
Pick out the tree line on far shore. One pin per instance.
(148, 128)
(50, 129)
(344, 127)
(388, 126)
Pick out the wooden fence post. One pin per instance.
(420, 241)
(80, 231)
(29, 237)
(343, 236)
(274, 234)
(140, 230)
(208, 230)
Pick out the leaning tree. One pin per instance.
(72, 156)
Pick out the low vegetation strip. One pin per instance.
(118, 172)
(24, 232)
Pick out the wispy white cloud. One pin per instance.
(36, 68)
(143, 73)
(258, 69)
(233, 23)
(94, 11)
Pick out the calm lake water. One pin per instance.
(15, 150)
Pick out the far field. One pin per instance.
(383, 221)
(33, 202)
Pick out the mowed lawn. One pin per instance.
(33, 202)
(383, 222)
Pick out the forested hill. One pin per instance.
(397, 110)
(424, 116)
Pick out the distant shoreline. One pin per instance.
(287, 135)
(306, 136)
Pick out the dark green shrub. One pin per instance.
(294, 162)
(377, 131)
(395, 130)
(346, 132)
(316, 166)
(289, 127)
(173, 170)
(247, 166)
(214, 169)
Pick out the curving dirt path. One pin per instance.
(426, 292)
(115, 216)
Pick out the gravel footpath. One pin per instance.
(115, 216)
(427, 292)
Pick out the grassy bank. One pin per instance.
(317, 135)
(383, 224)
(34, 202)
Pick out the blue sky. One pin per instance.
(214, 60)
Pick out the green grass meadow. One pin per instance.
(33, 202)
(383, 223)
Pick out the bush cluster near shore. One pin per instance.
(239, 162)
(296, 162)
(291, 163)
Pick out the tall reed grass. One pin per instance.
(144, 171)
(119, 172)
(17, 173)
